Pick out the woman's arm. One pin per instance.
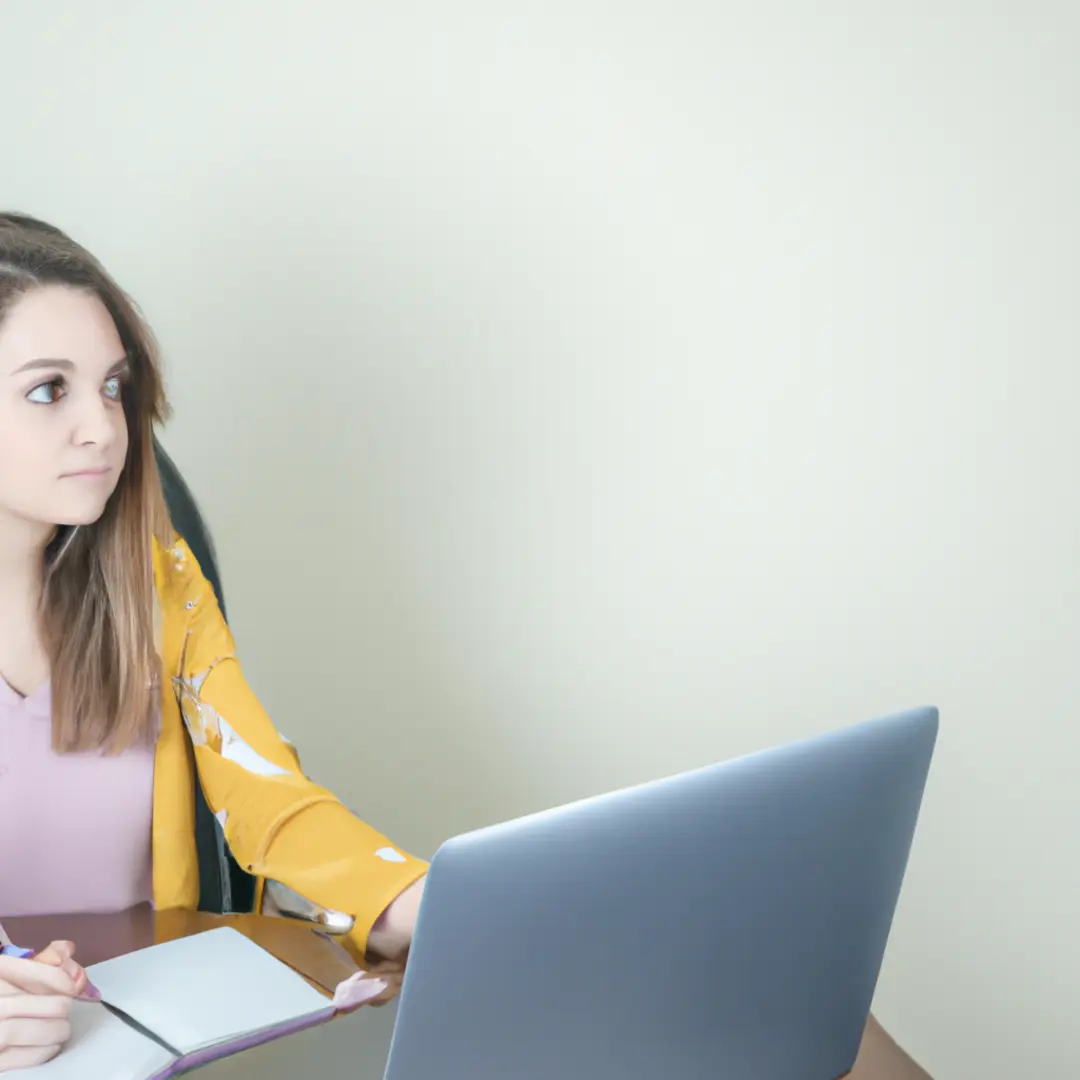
(880, 1058)
(279, 824)
(392, 933)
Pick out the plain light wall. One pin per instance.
(584, 391)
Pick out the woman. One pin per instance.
(115, 660)
(111, 640)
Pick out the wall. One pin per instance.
(584, 391)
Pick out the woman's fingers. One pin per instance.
(33, 1028)
(22, 1032)
(392, 979)
(34, 1007)
(26, 1057)
(366, 988)
(32, 977)
(35, 1022)
(392, 969)
(391, 972)
(59, 954)
(385, 997)
(56, 953)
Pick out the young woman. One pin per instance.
(114, 657)
(118, 675)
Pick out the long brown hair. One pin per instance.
(98, 601)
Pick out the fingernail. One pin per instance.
(91, 993)
(356, 990)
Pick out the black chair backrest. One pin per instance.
(223, 885)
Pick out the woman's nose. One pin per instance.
(96, 422)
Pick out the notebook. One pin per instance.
(187, 1002)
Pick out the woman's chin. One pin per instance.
(73, 516)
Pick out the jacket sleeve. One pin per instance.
(279, 824)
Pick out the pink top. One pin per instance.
(74, 828)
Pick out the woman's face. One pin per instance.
(63, 433)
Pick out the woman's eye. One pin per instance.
(46, 393)
(113, 388)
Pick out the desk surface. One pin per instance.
(321, 961)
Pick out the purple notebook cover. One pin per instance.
(198, 1058)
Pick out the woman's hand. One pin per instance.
(35, 1003)
(60, 954)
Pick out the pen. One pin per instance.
(7, 949)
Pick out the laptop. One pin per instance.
(724, 924)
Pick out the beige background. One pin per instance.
(584, 391)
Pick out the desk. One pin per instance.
(96, 937)
(321, 961)
(333, 1050)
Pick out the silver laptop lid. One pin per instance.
(724, 923)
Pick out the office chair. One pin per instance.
(224, 887)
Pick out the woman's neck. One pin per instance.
(23, 660)
(22, 559)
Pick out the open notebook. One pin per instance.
(188, 1002)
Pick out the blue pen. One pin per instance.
(7, 949)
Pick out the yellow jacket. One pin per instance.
(279, 825)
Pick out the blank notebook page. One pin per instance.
(207, 989)
(102, 1047)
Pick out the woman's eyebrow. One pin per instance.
(65, 365)
(34, 365)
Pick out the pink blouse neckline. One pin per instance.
(38, 703)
